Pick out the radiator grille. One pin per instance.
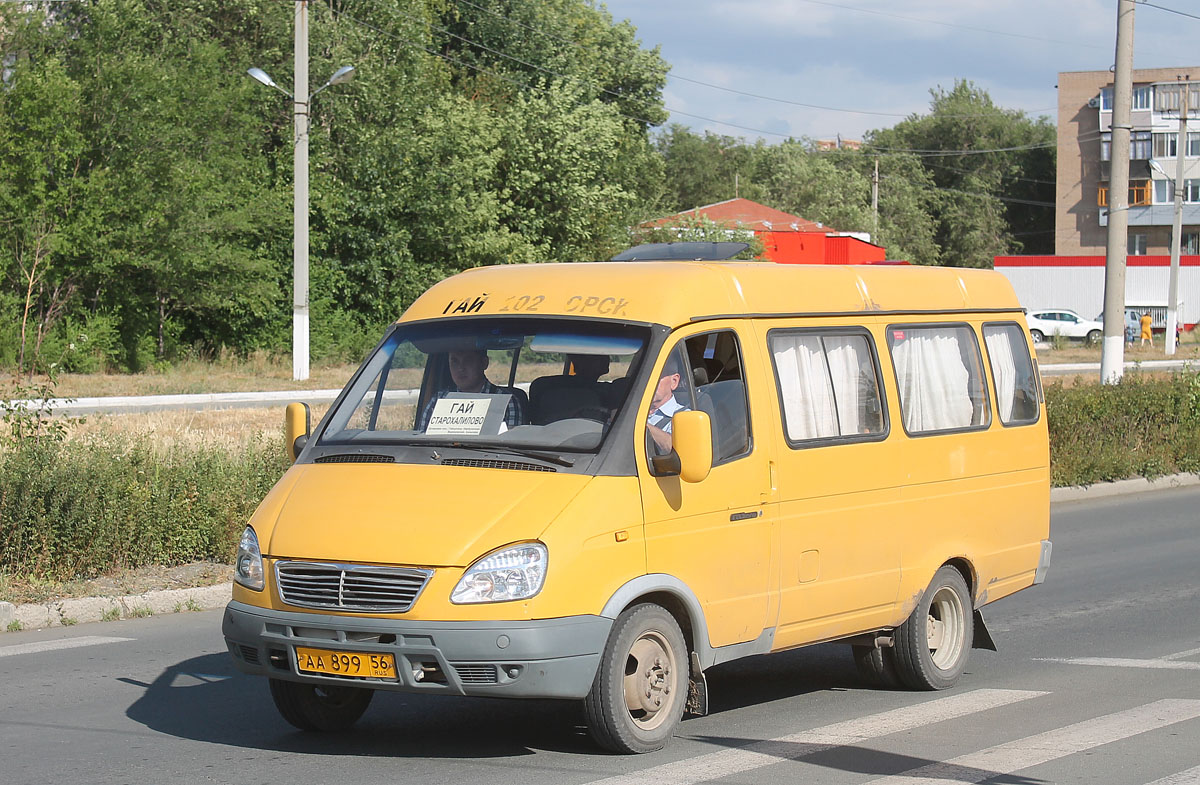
(472, 673)
(350, 587)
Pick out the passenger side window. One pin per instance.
(939, 375)
(1012, 373)
(703, 373)
(828, 385)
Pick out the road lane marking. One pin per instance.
(1189, 777)
(1122, 662)
(727, 762)
(1182, 655)
(65, 643)
(1051, 745)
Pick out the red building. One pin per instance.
(786, 238)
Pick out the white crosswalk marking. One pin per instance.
(1180, 655)
(1045, 747)
(735, 761)
(65, 643)
(1189, 777)
(1124, 662)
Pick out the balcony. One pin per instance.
(1157, 215)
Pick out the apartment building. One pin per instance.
(1085, 153)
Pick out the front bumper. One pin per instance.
(550, 658)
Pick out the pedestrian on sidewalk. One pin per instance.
(1146, 336)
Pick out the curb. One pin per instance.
(66, 613)
(81, 610)
(1136, 485)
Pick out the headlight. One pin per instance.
(249, 561)
(515, 573)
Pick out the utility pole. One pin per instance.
(1112, 360)
(1177, 224)
(300, 101)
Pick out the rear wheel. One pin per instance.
(1037, 336)
(933, 644)
(318, 707)
(641, 687)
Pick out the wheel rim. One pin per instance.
(945, 628)
(651, 680)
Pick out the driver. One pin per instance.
(466, 371)
(664, 406)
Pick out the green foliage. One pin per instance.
(27, 411)
(1143, 426)
(987, 203)
(79, 508)
(151, 180)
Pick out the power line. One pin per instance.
(1168, 10)
(672, 75)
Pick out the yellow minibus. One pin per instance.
(595, 481)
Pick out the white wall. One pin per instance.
(1081, 289)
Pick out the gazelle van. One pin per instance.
(595, 481)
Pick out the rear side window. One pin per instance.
(828, 385)
(939, 375)
(1012, 372)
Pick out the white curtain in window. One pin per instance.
(846, 355)
(1004, 369)
(934, 382)
(804, 383)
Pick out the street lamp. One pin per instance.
(300, 181)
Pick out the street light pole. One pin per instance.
(1177, 223)
(300, 101)
(1112, 357)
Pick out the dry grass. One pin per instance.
(229, 429)
(260, 371)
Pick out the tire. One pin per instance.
(933, 644)
(319, 708)
(641, 686)
(877, 666)
(1037, 336)
(1094, 337)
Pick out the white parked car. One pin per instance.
(1068, 324)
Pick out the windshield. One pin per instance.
(551, 384)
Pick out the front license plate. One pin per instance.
(345, 663)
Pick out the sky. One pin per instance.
(858, 65)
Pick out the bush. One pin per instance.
(1143, 427)
(80, 508)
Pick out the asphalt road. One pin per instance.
(1097, 681)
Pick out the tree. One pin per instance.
(42, 187)
(994, 167)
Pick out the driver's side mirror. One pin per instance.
(297, 424)
(691, 442)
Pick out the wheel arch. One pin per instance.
(967, 570)
(677, 598)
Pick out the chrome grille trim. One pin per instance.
(354, 588)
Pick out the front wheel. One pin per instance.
(1094, 337)
(933, 644)
(319, 708)
(641, 686)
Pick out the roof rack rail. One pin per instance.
(681, 252)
